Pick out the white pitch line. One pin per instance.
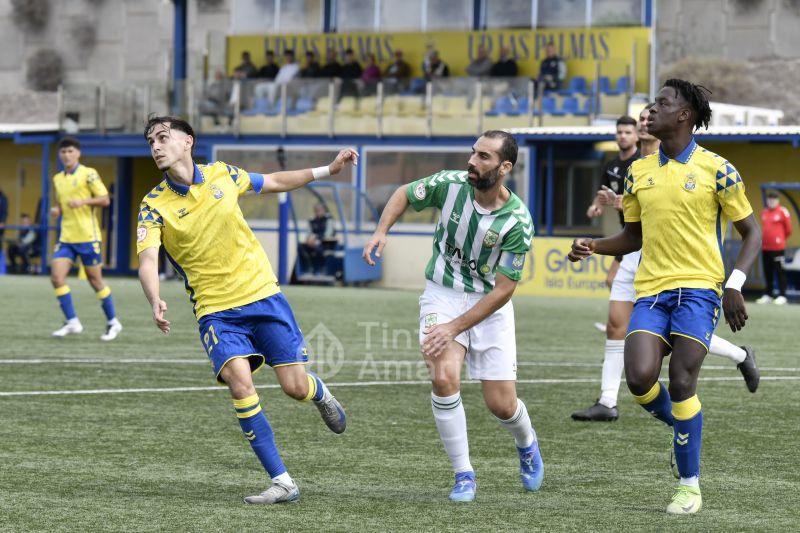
(375, 362)
(334, 385)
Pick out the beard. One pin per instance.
(484, 181)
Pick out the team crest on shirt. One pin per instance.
(690, 183)
(419, 191)
(216, 191)
(490, 239)
(430, 320)
(650, 181)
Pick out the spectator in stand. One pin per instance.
(397, 73)
(217, 99)
(270, 68)
(287, 73)
(553, 69)
(246, 69)
(24, 247)
(481, 66)
(311, 68)
(371, 75)
(435, 68)
(332, 68)
(351, 71)
(506, 66)
(776, 227)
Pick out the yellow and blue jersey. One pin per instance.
(79, 224)
(207, 238)
(684, 205)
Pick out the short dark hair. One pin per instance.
(773, 194)
(66, 142)
(24, 215)
(509, 149)
(349, 51)
(625, 120)
(288, 52)
(175, 123)
(696, 97)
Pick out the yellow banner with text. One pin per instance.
(617, 51)
(550, 273)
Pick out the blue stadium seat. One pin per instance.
(260, 107)
(417, 86)
(577, 84)
(586, 109)
(603, 84)
(502, 106)
(622, 84)
(570, 106)
(523, 106)
(304, 104)
(549, 106)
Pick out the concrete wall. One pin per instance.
(731, 29)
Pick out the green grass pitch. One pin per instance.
(151, 445)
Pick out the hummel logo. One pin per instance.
(182, 212)
(251, 435)
(683, 439)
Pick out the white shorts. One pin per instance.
(491, 344)
(622, 287)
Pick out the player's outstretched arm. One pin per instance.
(438, 337)
(290, 180)
(626, 241)
(148, 276)
(732, 300)
(397, 205)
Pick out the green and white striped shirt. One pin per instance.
(471, 244)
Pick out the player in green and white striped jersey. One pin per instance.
(479, 248)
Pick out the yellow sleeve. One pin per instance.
(631, 209)
(95, 183)
(148, 229)
(730, 193)
(245, 181)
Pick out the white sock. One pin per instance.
(693, 481)
(723, 348)
(613, 363)
(113, 321)
(451, 421)
(283, 479)
(520, 426)
(73, 321)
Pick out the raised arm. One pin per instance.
(394, 209)
(148, 277)
(289, 180)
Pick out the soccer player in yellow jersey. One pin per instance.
(79, 194)
(244, 319)
(676, 203)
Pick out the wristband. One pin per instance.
(320, 172)
(736, 280)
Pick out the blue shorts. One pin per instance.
(264, 332)
(89, 252)
(691, 313)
